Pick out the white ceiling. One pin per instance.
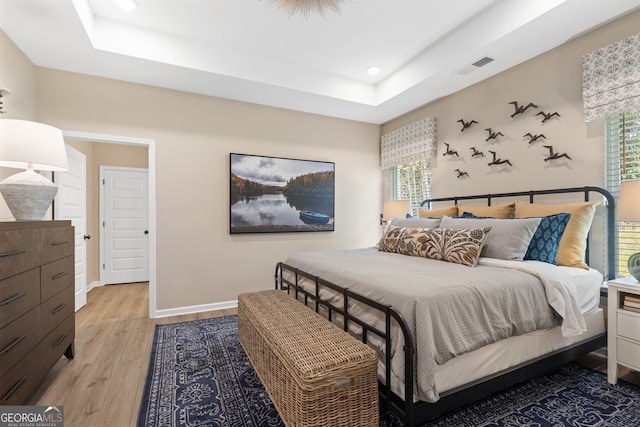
(249, 51)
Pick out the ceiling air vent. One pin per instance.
(482, 62)
(470, 68)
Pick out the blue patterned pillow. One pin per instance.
(545, 241)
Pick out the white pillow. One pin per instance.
(508, 239)
(416, 222)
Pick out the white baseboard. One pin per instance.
(94, 285)
(196, 309)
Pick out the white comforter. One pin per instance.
(457, 308)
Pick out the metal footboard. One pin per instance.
(400, 407)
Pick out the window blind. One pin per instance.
(411, 181)
(622, 163)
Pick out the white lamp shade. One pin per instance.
(629, 201)
(24, 143)
(395, 208)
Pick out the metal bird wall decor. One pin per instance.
(476, 153)
(461, 174)
(555, 156)
(466, 125)
(547, 116)
(534, 138)
(521, 109)
(497, 161)
(450, 152)
(493, 135)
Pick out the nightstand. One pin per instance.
(623, 332)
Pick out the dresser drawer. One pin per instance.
(56, 309)
(55, 344)
(18, 251)
(19, 294)
(57, 242)
(18, 337)
(17, 386)
(629, 326)
(56, 276)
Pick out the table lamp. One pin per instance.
(394, 208)
(629, 210)
(31, 146)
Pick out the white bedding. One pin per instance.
(403, 282)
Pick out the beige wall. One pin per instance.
(198, 261)
(553, 81)
(102, 154)
(17, 74)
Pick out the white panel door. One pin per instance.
(71, 203)
(125, 225)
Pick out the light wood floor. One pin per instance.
(103, 385)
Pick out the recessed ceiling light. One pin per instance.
(127, 4)
(373, 70)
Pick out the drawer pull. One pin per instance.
(59, 275)
(58, 243)
(11, 253)
(13, 298)
(58, 308)
(59, 341)
(15, 342)
(13, 390)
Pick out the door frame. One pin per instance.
(151, 153)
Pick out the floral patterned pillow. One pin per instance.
(452, 245)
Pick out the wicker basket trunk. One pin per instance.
(315, 373)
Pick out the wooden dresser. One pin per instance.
(37, 315)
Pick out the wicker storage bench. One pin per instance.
(315, 373)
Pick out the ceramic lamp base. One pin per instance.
(28, 195)
(634, 265)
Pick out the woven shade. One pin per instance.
(611, 79)
(408, 144)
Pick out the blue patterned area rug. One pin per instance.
(199, 375)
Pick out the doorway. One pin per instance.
(151, 197)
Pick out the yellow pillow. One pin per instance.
(573, 243)
(498, 211)
(437, 213)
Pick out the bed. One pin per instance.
(452, 325)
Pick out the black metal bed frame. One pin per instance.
(417, 413)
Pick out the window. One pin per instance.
(622, 163)
(411, 182)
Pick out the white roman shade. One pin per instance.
(408, 144)
(611, 79)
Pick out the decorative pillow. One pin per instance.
(498, 211)
(437, 213)
(390, 239)
(573, 244)
(546, 240)
(509, 238)
(456, 246)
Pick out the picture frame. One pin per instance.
(280, 195)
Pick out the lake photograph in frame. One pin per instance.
(277, 195)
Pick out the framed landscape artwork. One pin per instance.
(277, 195)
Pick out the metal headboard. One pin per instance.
(610, 205)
